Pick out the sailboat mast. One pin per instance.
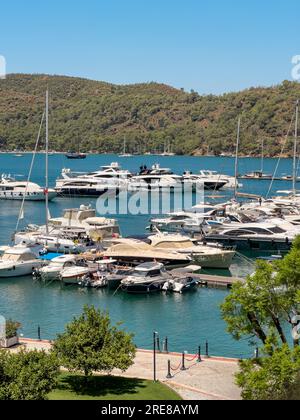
(262, 156)
(295, 150)
(237, 158)
(47, 162)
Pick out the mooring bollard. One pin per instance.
(199, 354)
(165, 346)
(39, 333)
(169, 376)
(183, 362)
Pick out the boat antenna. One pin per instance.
(295, 150)
(47, 162)
(237, 158)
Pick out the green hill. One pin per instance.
(97, 116)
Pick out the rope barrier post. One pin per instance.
(183, 368)
(165, 346)
(199, 354)
(207, 350)
(39, 333)
(158, 343)
(154, 356)
(169, 376)
(256, 354)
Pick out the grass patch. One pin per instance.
(109, 388)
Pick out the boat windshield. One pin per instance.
(151, 273)
(11, 257)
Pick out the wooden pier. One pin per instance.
(217, 281)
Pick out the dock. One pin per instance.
(217, 281)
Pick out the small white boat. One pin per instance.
(52, 271)
(180, 285)
(75, 275)
(18, 261)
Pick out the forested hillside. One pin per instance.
(97, 116)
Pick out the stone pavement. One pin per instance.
(212, 379)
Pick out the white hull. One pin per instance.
(18, 196)
(20, 269)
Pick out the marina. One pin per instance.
(158, 311)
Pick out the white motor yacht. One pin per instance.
(207, 256)
(207, 182)
(11, 189)
(52, 271)
(109, 179)
(158, 179)
(18, 261)
(77, 231)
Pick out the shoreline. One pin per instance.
(148, 155)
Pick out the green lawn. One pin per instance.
(74, 387)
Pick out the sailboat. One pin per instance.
(125, 154)
(167, 150)
(259, 175)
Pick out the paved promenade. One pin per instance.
(212, 379)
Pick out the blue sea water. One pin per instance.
(188, 320)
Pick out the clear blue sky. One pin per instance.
(212, 46)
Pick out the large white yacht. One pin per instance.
(78, 230)
(109, 178)
(207, 182)
(11, 189)
(214, 175)
(18, 261)
(157, 179)
(189, 221)
(207, 256)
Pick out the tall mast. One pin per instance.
(262, 155)
(47, 162)
(295, 150)
(237, 158)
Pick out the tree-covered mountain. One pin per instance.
(97, 116)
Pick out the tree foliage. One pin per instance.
(274, 377)
(96, 116)
(262, 308)
(27, 375)
(267, 301)
(91, 344)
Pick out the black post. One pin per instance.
(165, 349)
(183, 362)
(158, 343)
(154, 356)
(39, 333)
(199, 354)
(169, 376)
(206, 349)
(257, 353)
